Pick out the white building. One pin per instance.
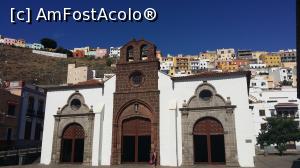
(259, 82)
(269, 103)
(280, 75)
(114, 52)
(197, 65)
(257, 66)
(226, 54)
(141, 110)
(166, 65)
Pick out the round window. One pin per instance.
(136, 78)
(75, 104)
(205, 94)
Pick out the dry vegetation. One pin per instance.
(22, 64)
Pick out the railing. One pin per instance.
(20, 152)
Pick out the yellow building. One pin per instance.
(227, 66)
(271, 60)
(182, 65)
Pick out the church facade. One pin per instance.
(198, 119)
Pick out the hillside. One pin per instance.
(22, 64)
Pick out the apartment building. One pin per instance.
(289, 55)
(209, 55)
(281, 76)
(114, 52)
(9, 115)
(226, 54)
(256, 55)
(244, 54)
(227, 66)
(20, 43)
(271, 60)
(31, 114)
(9, 41)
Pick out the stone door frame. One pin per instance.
(215, 107)
(84, 116)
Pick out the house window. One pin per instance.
(27, 134)
(30, 104)
(11, 110)
(263, 126)
(38, 130)
(262, 113)
(9, 134)
(41, 107)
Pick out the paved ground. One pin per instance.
(270, 161)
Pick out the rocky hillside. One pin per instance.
(22, 64)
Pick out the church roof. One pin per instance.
(81, 85)
(212, 75)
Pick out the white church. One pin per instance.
(198, 119)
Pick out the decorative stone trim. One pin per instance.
(218, 108)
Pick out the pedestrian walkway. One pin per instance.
(270, 161)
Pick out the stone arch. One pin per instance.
(144, 52)
(137, 50)
(220, 128)
(127, 105)
(215, 100)
(67, 108)
(130, 54)
(128, 112)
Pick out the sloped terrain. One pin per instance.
(22, 64)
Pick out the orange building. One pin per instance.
(227, 66)
(79, 54)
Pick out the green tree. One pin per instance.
(64, 51)
(109, 61)
(48, 43)
(279, 131)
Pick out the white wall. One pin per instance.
(109, 89)
(56, 99)
(183, 91)
(50, 54)
(167, 126)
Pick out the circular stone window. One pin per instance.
(136, 78)
(75, 104)
(205, 94)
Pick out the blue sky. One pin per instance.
(186, 27)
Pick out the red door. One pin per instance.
(136, 140)
(72, 146)
(208, 136)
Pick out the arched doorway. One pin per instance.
(72, 145)
(208, 135)
(136, 140)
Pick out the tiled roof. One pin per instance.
(212, 75)
(286, 105)
(87, 84)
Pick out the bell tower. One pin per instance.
(136, 104)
